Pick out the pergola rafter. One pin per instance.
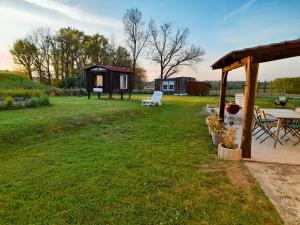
(250, 58)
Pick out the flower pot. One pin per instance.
(209, 130)
(217, 138)
(229, 154)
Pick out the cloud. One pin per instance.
(76, 13)
(238, 10)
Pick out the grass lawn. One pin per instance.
(13, 80)
(115, 162)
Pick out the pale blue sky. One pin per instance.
(218, 26)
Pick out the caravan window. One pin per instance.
(123, 81)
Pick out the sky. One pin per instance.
(218, 26)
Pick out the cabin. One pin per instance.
(108, 79)
(175, 86)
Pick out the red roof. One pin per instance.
(111, 68)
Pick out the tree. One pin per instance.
(22, 52)
(171, 50)
(140, 78)
(137, 34)
(40, 40)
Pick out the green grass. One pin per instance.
(115, 162)
(11, 80)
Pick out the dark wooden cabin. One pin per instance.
(108, 79)
(176, 85)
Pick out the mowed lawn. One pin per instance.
(115, 162)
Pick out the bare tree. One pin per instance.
(171, 50)
(137, 34)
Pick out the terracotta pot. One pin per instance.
(229, 154)
(217, 138)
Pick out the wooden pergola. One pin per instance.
(249, 58)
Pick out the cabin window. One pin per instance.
(123, 81)
(168, 85)
(99, 81)
(171, 85)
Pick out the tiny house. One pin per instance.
(176, 85)
(108, 79)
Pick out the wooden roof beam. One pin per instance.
(235, 65)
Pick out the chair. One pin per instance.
(239, 99)
(155, 99)
(267, 124)
(293, 127)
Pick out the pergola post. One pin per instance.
(251, 69)
(223, 94)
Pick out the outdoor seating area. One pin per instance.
(276, 134)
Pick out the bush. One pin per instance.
(67, 92)
(8, 102)
(25, 93)
(31, 103)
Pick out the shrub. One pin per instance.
(25, 93)
(215, 124)
(8, 102)
(43, 101)
(67, 92)
(229, 138)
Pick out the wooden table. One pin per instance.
(281, 115)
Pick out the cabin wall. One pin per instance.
(111, 82)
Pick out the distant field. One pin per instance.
(13, 80)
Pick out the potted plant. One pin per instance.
(208, 119)
(217, 128)
(229, 149)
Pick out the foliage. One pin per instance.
(67, 92)
(229, 138)
(63, 54)
(22, 53)
(16, 80)
(215, 124)
(8, 101)
(25, 93)
(34, 102)
(289, 85)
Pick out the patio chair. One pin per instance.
(293, 127)
(267, 124)
(259, 121)
(239, 99)
(154, 100)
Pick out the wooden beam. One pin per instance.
(251, 68)
(223, 94)
(236, 65)
(233, 66)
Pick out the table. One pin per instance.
(281, 115)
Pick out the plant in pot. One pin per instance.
(207, 121)
(229, 149)
(217, 129)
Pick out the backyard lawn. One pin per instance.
(96, 161)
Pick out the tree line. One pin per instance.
(61, 56)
